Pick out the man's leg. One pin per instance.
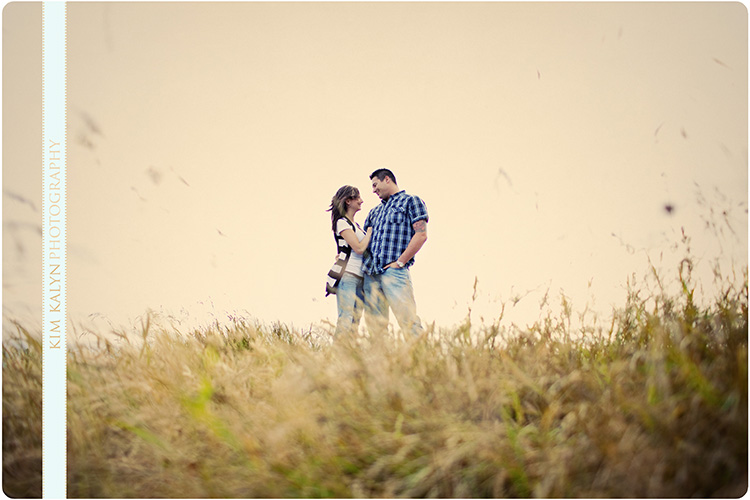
(376, 308)
(399, 293)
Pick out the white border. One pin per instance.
(54, 242)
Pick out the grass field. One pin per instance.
(652, 404)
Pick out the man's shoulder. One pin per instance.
(413, 201)
(372, 214)
(404, 197)
(374, 210)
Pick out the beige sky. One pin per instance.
(206, 140)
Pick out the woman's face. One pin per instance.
(354, 203)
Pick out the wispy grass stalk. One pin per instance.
(654, 403)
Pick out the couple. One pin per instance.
(372, 268)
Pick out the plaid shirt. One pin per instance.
(392, 230)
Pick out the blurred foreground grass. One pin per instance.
(653, 404)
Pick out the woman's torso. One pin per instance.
(354, 265)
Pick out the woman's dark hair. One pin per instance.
(338, 203)
(382, 173)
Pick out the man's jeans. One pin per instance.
(391, 289)
(350, 301)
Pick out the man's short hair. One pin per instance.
(382, 173)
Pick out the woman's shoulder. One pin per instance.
(343, 223)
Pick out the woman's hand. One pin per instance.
(351, 238)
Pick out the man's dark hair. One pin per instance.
(382, 173)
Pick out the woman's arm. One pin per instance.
(351, 238)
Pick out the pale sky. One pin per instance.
(206, 141)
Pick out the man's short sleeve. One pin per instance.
(417, 210)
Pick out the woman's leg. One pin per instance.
(349, 298)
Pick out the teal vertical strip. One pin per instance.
(54, 265)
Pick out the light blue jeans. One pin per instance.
(392, 289)
(350, 301)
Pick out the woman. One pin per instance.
(345, 278)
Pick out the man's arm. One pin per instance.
(419, 238)
(368, 219)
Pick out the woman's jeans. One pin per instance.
(391, 289)
(350, 300)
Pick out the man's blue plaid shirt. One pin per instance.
(392, 230)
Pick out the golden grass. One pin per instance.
(653, 405)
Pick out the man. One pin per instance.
(399, 225)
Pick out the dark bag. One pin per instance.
(338, 268)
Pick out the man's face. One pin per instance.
(381, 188)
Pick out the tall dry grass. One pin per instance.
(653, 404)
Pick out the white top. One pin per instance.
(355, 260)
